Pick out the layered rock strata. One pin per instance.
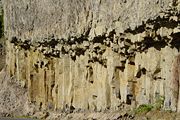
(94, 55)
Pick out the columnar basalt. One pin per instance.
(92, 55)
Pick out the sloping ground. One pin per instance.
(13, 100)
(15, 118)
(118, 115)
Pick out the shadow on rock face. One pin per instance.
(2, 56)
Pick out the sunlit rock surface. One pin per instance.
(94, 54)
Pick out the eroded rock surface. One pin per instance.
(93, 55)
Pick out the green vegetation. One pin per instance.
(144, 108)
(148, 107)
(159, 103)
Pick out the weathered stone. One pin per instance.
(101, 56)
(86, 43)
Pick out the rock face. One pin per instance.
(93, 54)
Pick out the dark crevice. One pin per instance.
(107, 39)
(137, 30)
(176, 40)
(99, 39)
(141, 72)
(26, 45)
(80, 51)
(175, 3)
(14, 40)
(129, 99)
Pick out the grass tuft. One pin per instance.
(144, 108)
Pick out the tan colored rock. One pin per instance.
(104, 53)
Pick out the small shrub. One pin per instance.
(144, 108)
(159, 102)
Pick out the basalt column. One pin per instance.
(94, 55)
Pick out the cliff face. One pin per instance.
(94, 55)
